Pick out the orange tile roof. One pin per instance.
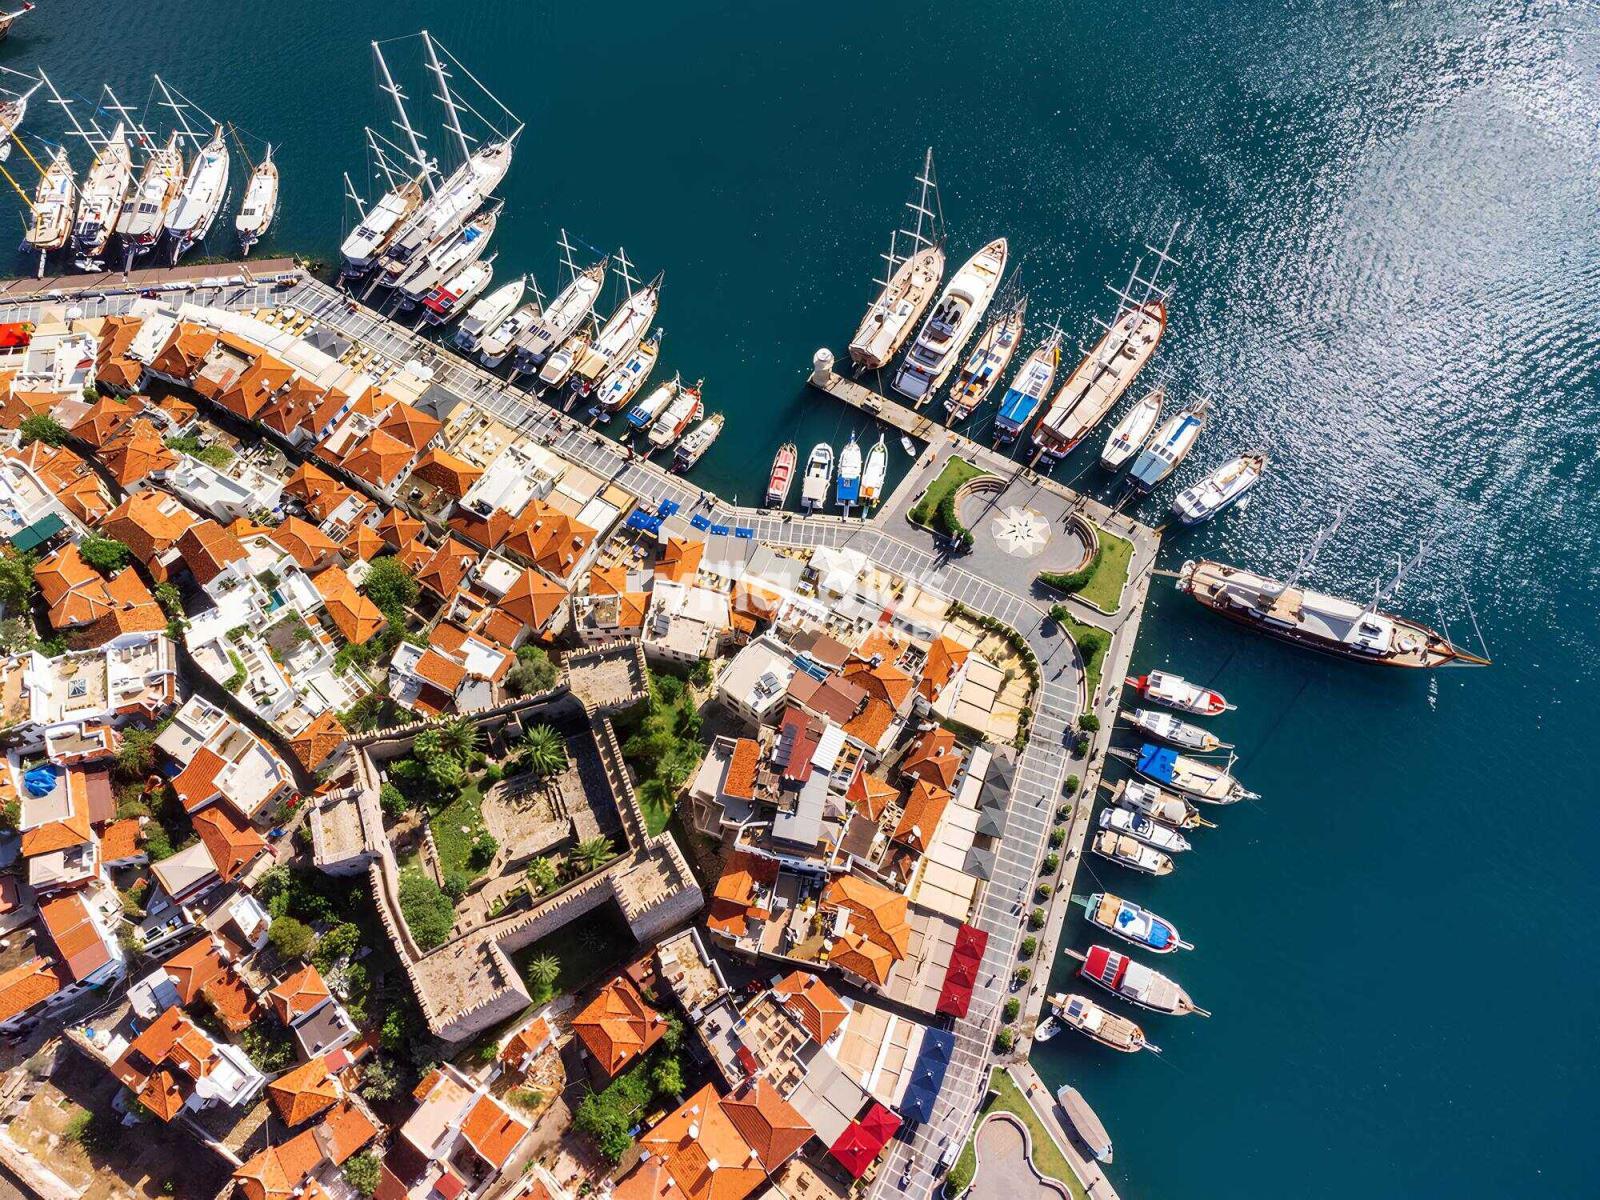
(357, 618)
(443, 470)
(52, 836)
(705, 1153)
(302, 1093)
(379, 458)
(525, 1041)
(303, 542)
(945, 659)
(256, 386)
(104, 418)
(314, 744)
(854, 953)
(81, 946)
(72, 590)
(292, 407)
(733, 901)
(440, 671)
(308, 481)
(397, 528)
(410, 426)
(934, 757)
(447, 567)
(923, 808)
(743, 764)
(299, 994)
(122, 374)
(162, 1065)
(607, 581)
(679, 559)
(179, 409)
(882, 643)
(533, 599)
(650, 1180)
(120, 840)
(549, 539)
(233, 846)
(196, 784)
(71, 479)
(485, 529)
(870, 794)
(116, 336)
(885, 682)
(26, 985)
(346, 1129)
(149, 523)
(281, 1170)
(617, 1025)
(362, 543)
(767, 1122)
(208, 549)
(871, 723)
(879, 914)
(185, 351)
(819, 1008)
(492, 1131)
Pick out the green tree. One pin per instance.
(361, 1172)
(393, 801)
(1012, 1007)
(378, 1079)
(136, 757)
(339, 942)
(443, 769)
(1088, 722)
(291, 938)
(170, 599)
(1004, 1041)
(667, 1076)
(534, 672)
(1029, 947)
(605, 1125)
(458, 737)
(1070, 787)
(16, 578)
(1036, 919)
(482, 852)
(428, 912)
(543, 972)
(1057, 836)
(673, 1037)
(42, 427)
(542, 875)
(391, 587)
(593, 852)
(106, 555)
(544, 751)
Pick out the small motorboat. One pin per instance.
(782, 477)
(848, 488)
(1205, 781)
(1046, 1029)
(1173, 691)
(1219, 489)
(643, 414)
(908, 445)
(1152, 833)
(1167, 807)
(1135, 982)
(1132, 923)
(1101, 1024)
(872, 475)
(1133, 431)
(819, 473)
(1169, 729)
(489, 313)
(1085, 1123)
(1131, 852)
(696, 442)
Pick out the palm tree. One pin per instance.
(459, 738)
(546, 754)
(592, 852)
(542, 975)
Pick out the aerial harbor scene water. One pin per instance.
(709, 601)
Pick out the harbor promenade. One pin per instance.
(887, 539)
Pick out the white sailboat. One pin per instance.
(454, 295)
(563, 315)
(260, 204)
(677, 417)
(104, 189)
(558, 365)
(1133, 431)
(623, 381)
(1137, 825)
(381, 222)
(446, 261)
(144, 212)
(496, 344)
(191, 216)
(987, 363)
(488, 313)
(13, 108)
(621, 333)
(873, 474)
(643, 414)
(956, 314)
(55, 201)
(910, 280)
(1168, 448)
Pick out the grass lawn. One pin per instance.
(466, 810)
(1047, 1155)
(1104, 589)
(955, 473)
(1092, 643)
(598, 942)
(656, 804)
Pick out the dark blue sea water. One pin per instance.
(1390, 281)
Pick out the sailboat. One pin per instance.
(446, 302)
(1028, 389)
(13, 109)
(260, 203)
(1096, 383)
(987, 363)
(696, 442)
(1100, 1024)
(849, 486)
(1130, 852)
(625, 379)
(497, 343)
(563, 315)
(7, 19)
(382, 221)
(1174, 691)
(448, 260)
(782, 477)
(54, 203)
(621, 333)
(873, 474)
(956, 314)
(488, 313)
(1167, 807)
(205, 188)
(910, 280)
(819, 471)
(1133, 431)
(144, 212)
(1222, 487)
(558, 365)
(104, 189)
(1169, 447)
(1198, 778)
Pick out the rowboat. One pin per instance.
(1132, 923)
(1174, 691)
(1171, 730)
(1219, 489)
(1130, 852)
(1046, 1029)
(1167, 807)
(1100, 1024)
(1135, 982)
(1085, 1123)
(1205, 781)
(1136, 825)
(1133, 431)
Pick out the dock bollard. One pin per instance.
(821, 366)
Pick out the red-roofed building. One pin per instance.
(617, 1026)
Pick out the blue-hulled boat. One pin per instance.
(1029, 387)
(1132, 923)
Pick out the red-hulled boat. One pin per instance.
(1135, 982)
(782, 477)
(1173, 691)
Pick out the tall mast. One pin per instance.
(125, 116)
(183, 122)
(566, 257)
(926, 216)
(1383, 593)
(622, 269)
(404, 123)
(445, 97)
(1308, 556)
(66, 106)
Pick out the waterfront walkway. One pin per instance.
(888, 540)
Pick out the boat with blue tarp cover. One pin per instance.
(1132, 923)
(1206, 781)
(1029, 386)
